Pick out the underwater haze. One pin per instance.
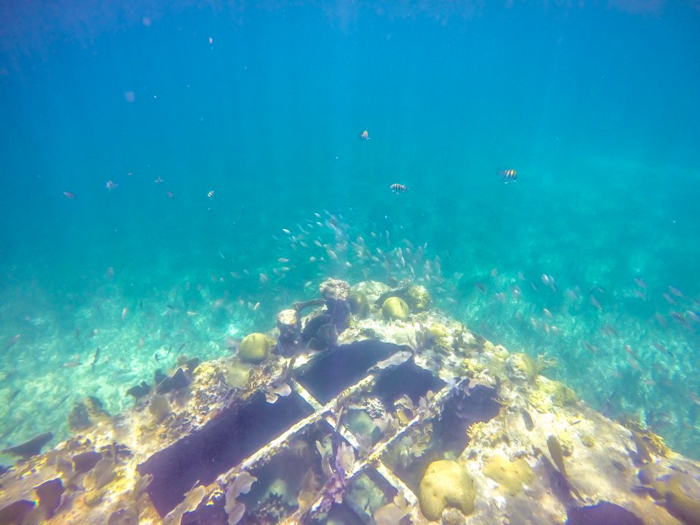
(176, 173)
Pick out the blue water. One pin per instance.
(596, 107)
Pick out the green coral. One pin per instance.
(521, 367)
(472, 367)
(418, 297)
(395, 308)
(588, 440)
(359, 304)
(255, 348)
(510, 475)
(438, 331)
(446, 484)
(550, 394)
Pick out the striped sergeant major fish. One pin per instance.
(508, 175)
(398, 188)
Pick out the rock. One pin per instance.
(335, 290)
(511, 475)
(446, 484)
(255, 348)
(395, 308)
(521, 368)
(288, 324)
(418, 297)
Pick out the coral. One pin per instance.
(588, 440)
(79, 417)
(159, 407)
(255, 348)
(521, 368)
(237, 375)
(395, 308)
(418, 297)
(392, 513)
(653, 442)
(438, 330)
(359, 304)
(93, 498)
(270, 511)
(96, 409)
(511, 475)
(446, 484)
(472, 367)
(550, 394)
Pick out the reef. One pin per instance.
(366, 405)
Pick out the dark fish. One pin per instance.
(679, 317)
(661, 348)
(556, 452)
(660, 319)
(508, 175)
(590, 347)
(95, 358)
(29, 448)
(676, 291)
(398, 188)
(12, 342)
(527, 419)
(72, 364)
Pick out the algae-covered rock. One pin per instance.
(588, 440)
(511, 475)
(255, 348)
(237, 375)
(446, 484)
(678, 491)
(521, 368)
(418, 297)
(395, 308)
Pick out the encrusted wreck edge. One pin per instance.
(601, 459)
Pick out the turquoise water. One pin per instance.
(596, 107)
